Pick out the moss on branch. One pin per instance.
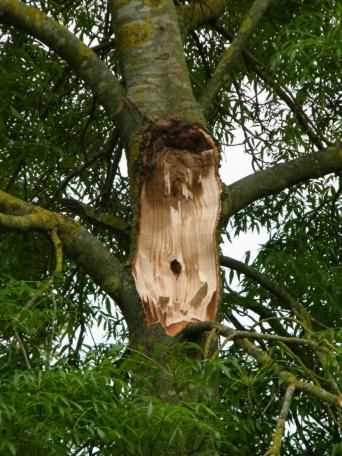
(198, 13)
(81, 246)
(281, 422)
(58, 247)
(288, 377)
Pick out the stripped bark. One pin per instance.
(176, 266)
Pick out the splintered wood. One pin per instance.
(176, 266)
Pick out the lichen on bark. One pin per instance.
(152, 61)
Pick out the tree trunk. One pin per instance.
(173, 166)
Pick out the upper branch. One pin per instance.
(81, 59)
(284, 94)
(232, 53)
(273, 180)
(198, 13)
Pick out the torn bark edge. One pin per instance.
(177, 177)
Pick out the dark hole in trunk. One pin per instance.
(176, 267)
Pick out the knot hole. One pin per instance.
(176, 267)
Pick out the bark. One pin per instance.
(273, 180)
(152, 60)
(173, 167)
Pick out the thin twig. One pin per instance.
(281, 422)
(231, 55)
(269, 285)
(269, 79)
(58, 246)
(22, 348)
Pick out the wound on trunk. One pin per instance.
(176, 265)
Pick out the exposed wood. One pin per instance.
(176, 265)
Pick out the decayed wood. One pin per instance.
(176, 266)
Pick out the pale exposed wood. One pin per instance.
(176, 265)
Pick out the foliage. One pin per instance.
(69, 382)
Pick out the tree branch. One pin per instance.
(279, 432)
(22, 348)
(82, 247)
(273, 180)
(263, 357)
(269, 80)
(234, 334)
(232, 53)
(197, 13)
(266, 283)
(287, 377)
(58, 246)
(105, 219)
(81, 59)
(262, 311)
(274, 321)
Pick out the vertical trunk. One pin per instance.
(152, 60)
(173, 167)
(174, 170)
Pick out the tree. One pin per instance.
(195, 361)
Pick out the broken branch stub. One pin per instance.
(176, 264)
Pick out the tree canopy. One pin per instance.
(81, 373)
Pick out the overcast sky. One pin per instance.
(236, 164)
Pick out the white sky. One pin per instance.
(235, 165)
